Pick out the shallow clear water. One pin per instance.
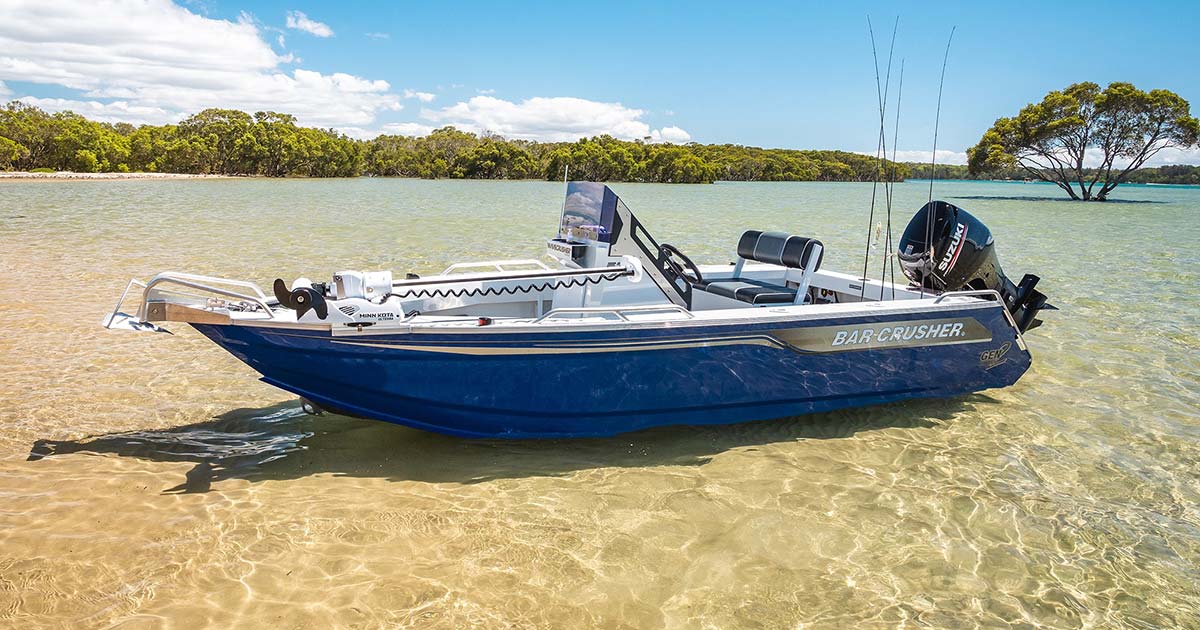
(148, 480)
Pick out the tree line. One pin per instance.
(215, 141)
(232, 142)
(1171, 174)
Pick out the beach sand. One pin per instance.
(66, 175)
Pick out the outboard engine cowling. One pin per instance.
(945, 248)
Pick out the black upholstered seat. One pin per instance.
(750, 291)
(774, 248)
(778, 248)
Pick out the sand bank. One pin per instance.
(71, 175)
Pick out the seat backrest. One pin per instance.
(779, 248)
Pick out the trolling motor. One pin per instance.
(301, 298)
(945, 248)
(373, 287)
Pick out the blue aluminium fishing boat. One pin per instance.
(622, 332)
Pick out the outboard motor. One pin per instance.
(945, 248)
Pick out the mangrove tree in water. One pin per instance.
(1087, 140)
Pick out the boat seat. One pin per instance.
(749, 291)
(779, 248)
(774, 248)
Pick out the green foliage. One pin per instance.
(922, 170)
(216, 141)
(30, 128)
(231, 142)
(63, 141)
(216, 137)
(448, 152)
(496, 159)
(1049, 140)
(11, 152)
(1174, 174)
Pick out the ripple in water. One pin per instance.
(153, 481)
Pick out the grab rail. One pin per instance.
(995, 295)
(973, 293)
(618, 311)
(498, 265)
(193, 281)
(108, 321)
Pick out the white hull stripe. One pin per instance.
(576, 348)
(840, 338)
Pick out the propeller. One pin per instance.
(301, 299)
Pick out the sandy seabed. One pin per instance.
(152, 481)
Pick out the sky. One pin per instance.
(787, 74)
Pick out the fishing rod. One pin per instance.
(881, 147)
(889, 256)
(937, 119)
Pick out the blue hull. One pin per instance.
(604, 382)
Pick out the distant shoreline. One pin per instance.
(20, 176)
(68, 175)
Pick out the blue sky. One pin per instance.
(773, 74)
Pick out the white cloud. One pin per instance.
(378, 35)
(549, 119)
(297, 20)
(1175, 156)
(393, 129)
(1171, 155)
(407, 129)
(487, 92)
(281, 40)
(670, 134)
(944, 156)
(155, 61)
(358, 133)
(116, 111)
(424, 97)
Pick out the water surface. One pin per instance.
(148, 480)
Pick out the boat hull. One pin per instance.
(597, 381)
